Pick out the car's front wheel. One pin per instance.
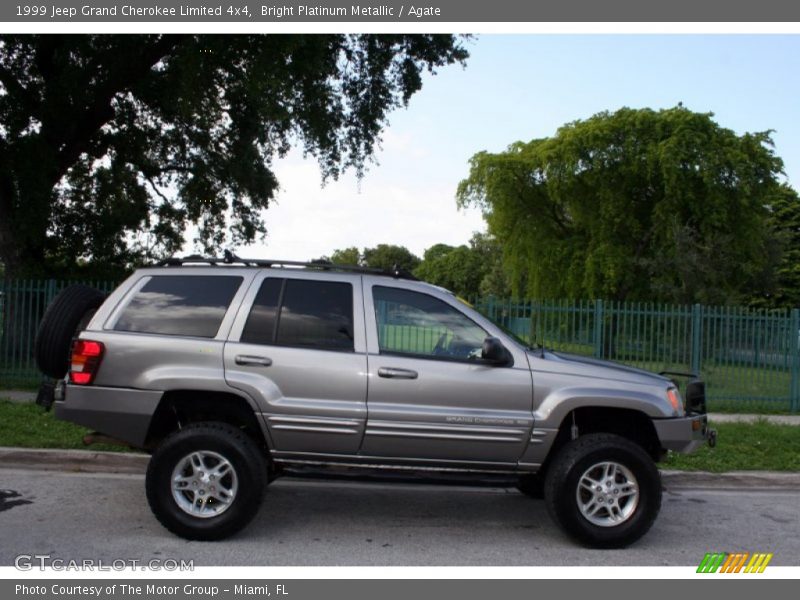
(604, 490)
(206, 481)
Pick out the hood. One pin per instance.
(593, 367)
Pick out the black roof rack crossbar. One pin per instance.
(230, 259)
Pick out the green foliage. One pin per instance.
(389, 256)
(382, 256)
(467, 271)
(637, 204)
(783, 221)
(346, 256)
(112, 145)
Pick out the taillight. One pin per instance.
(86, 357)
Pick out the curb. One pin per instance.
(18, 396)
(73, 461)
(87, 461)
(732, 480)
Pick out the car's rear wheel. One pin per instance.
(603, 490)
(206, 481)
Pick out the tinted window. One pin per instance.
(192, 305)
(311, 314)
(416, 323)
(260, 326)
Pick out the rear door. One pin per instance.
(298, 347)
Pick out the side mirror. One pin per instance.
(494, 352)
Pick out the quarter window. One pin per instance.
(419, 324)
(301, 312)
(190, 305)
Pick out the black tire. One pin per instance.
(246, 459)
(532, 485)
(573, 461)
(68, 314)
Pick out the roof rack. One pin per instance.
(230, 259)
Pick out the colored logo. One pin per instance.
(737, 562)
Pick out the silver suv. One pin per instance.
(232, 371)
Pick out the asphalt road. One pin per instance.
(307, 522)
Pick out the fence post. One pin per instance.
(598, 329)
(51, 292)
(697, 337)
(794, 345)
(533, 330)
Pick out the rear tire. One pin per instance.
(67, 315)
(206, 481)
(603, 490)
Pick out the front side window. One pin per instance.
(303, 313)
(419, 324)
(190, 305)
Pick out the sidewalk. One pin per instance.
(18, 395)
(750, 418)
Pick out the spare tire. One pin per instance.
(68, 313)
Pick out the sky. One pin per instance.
(521, 87)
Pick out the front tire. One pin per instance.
(603, 490)
(532, 485)
(206, 481)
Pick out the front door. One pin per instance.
(429, 398)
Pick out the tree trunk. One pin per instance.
(9, 244)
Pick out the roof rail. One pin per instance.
(230, 259)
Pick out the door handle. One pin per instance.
(245, 359)
(392, 373)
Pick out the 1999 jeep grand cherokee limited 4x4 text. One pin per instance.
(230, 370)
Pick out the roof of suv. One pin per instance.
(229, 260)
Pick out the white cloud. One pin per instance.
(389, 206)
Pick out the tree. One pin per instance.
(467, 271)
(636, 204)
(382, 256)
(346, 256)
(389, 256)
(783, 288)
(111, 145)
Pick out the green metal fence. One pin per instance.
(749, 358)
(22, 304)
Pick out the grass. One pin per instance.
(27, 425)
(760, 446)
(740, 446)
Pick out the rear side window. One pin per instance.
(190, 305)
(303, 313)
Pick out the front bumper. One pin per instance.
(685, 434)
